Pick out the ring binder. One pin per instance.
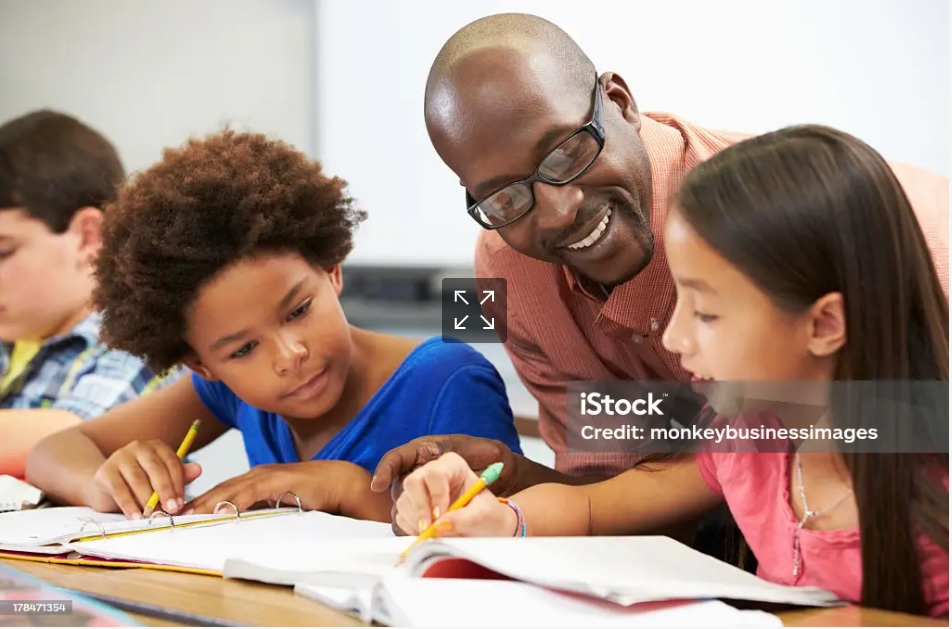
(158, 512)
(89, 521)
(227, 502)
(277, 503)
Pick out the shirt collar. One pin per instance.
(644, 303)
(86, 331)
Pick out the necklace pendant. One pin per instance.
(796, 554)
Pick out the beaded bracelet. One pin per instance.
(520, 518)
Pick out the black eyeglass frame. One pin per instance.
(594, 127)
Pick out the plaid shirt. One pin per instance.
(75, 372)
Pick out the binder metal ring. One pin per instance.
(233, 506)
(160, 512)
(102, 529)
(277, 503)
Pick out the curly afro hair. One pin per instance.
(203, 207)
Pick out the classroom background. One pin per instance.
(343, 81)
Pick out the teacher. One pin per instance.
(571, 184)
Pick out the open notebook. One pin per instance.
(408, 602)
(63, 534)
(581, 581)
(624, 570)
(320, 550)
(16, 495)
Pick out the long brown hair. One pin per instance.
(809, 210)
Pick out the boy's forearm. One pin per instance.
(22, 430)
(64, 466)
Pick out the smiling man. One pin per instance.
(571, 183)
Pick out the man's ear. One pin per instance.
(86, 226)
(617, 92)
(193, 362)
(336, 278)
(827, 333)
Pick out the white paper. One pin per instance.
(16, 494)
(264, 539)
(487, 603)
(626, 570)
(33, 528)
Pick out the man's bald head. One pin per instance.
(501, 56)
(509, 92)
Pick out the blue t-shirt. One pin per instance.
(439, 388)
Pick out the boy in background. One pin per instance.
(55, 176)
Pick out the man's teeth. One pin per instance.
(595, 235)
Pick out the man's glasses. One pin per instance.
(565, 163)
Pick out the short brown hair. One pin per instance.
(202, 208)
(52, 165)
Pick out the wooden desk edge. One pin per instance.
(272, 605)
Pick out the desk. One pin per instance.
(257, 604)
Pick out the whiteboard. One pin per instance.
(150, 74)
(875, 68)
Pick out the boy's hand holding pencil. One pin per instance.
(147, 475)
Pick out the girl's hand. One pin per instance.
(336, 487)
(429, 491)
(130, 476)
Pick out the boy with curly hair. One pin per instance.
(225, 256)
(56, 174)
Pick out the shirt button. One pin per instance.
(654, 324)
(637, 338)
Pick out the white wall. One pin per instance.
(149, 74)
(876, 68)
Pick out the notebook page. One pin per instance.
(348, 563)
(16, 494)
(28, 530)
(450, 603)
(208, 547)
(622, 569)
(37, 530)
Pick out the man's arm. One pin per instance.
(21, 430)
(518, 472)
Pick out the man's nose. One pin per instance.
(557, 206)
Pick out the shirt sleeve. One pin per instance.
(111, 379)
(928, 194)
(217, 398)
(708, 469)
(473, 402)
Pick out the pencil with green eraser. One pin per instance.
(182, 451)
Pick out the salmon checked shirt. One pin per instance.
(558, 332)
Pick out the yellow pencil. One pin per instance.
(182, 451)
(489, 476)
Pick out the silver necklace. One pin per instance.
(807, 514)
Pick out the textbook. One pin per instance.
(625, 570)
(406, 602)
(16, 495)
